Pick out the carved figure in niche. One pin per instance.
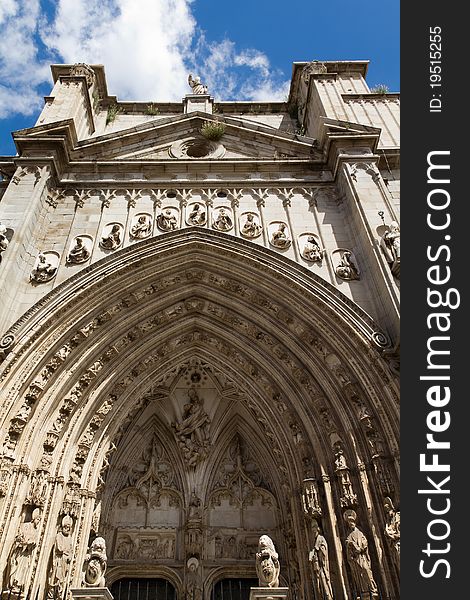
(250, 228)
(279, 237)
(267, 563)
(390, 244)
(3, 237)
(166, 221)
(311, 250)
(20, 558)
(348, 497)
(61, 557)
(346, 268)
(357, 552)
(142, 228)
(392, 529)
(193, 584)
(197, 216)
(79, 252)
(196, 86)
(112, 240)
(223, 221)
(193, 431)
(95, 564)
(43, 270)
(195, 511)
(318, 557)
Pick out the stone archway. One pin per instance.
(99, 372)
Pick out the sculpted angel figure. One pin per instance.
(347, 268)
(312, 251)
(318, 558)
(113, 239)
(279, 237)
(79, 252)
(166, 221)
(196, 86)
(223, 221)
(142, 228)
(267, 563)
(250, 228)
(44, 270)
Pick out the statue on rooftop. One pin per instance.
(196, 86)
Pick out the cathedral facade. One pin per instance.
(199, 342)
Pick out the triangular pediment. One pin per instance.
(180, 137)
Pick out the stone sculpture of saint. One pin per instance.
(347, 268)
(279, 237)
(193, 431)
(95, 564)
(223, 221)
(61, 557)
(197, 216)
(44, 270)
(20, 558)
(113, 239)
(79, 252)
(318, 558)
(357, 552)
(392, 529)
(267, 563)
(250, 228)
(196, 86)
(312, 251)
(166, 221)
(142, 228)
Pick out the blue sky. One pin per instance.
(243, 49)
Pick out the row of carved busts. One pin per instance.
(112, 238)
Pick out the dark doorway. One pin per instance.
(143, 589)
(233, 589)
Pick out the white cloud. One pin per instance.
(148, 47)
(21, 70)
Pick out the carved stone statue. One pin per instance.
(95, 564)
(193, 431)
(79, 252)
(267, 563)
(20, 558)
(347, 269)
(312, 251)
(223, 221)
(196, 86)
(3, 237)
(318, 557)
(193, 582)
(43, 270)
(61, 557)
(279, 237)
(197, 216)
(250, 228)
(112, 240)
(392, 529)
(166, 221)
(357, 552)
(142, 228)
(390, 244)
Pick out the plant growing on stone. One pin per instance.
(380, 88)
(113, 110)
(213, 130)
(152, 109)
